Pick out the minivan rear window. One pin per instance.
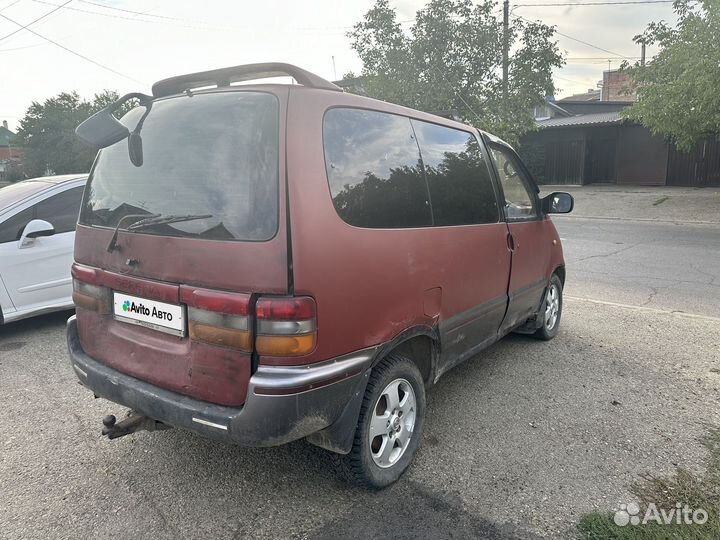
(213, 154)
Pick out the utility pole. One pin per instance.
(642, 54)
(506, 46)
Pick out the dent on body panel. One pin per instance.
(557, 257)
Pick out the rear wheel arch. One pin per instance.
(421, 344)
(560, 272)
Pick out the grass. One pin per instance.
(682, 487)
(660, 201)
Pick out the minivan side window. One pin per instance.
(519, 201)
(461, 190)
(374, 169)
(61, 210)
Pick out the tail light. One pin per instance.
(286, 326)
(87, 293)
(218, 318)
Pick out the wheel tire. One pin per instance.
(361, 466)
(551, 310)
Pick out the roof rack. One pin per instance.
(247, 72)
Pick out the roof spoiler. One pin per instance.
(247, 72)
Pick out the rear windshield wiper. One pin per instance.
(113, 241)
(164, 220)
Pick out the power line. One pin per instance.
(11, 4)
(21, 48)
(619, 3)
(568, 80)
(578, 40)
(36, 20)
(157, 16)
(117, 13)
(134, 12)
(87, 59)
(80, 10)
(457, 93)
(602, 58)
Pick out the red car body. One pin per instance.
(442, 293)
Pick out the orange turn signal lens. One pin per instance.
(85, 302)
(91, 297)
(223, 337)
(286, 345)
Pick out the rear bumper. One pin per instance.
(283, 403)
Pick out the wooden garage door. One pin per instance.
(564, 162)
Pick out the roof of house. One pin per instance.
(607, 118)
(558, 108)
(592, 95)
(6, 136)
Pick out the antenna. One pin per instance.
(334, 70)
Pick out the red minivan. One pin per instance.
(261, 263)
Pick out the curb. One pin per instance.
(644, 220)
(645, 309)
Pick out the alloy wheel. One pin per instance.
(392, 423)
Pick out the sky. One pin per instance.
(172, 37)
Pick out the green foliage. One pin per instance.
(678, 89)
(450, 63)
(683, 487)
(47, 133)
(533, 156)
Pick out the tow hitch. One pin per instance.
(132, 423)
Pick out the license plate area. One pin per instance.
(160, 316)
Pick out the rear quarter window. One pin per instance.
(374, 169)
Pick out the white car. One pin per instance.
(37, 235)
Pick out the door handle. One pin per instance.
(511, 242)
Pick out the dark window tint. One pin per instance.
(61, 210)
(11, 229)
(374, 170)
(208, 154)
(461, 191)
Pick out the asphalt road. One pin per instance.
(519, 441)
(661, 265)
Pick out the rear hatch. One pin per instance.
(172, 254)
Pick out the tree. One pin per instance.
(450, 62)
(678, 89)
(47, 133)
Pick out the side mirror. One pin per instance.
(102, 129)
(558, 203)
(35, 229)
